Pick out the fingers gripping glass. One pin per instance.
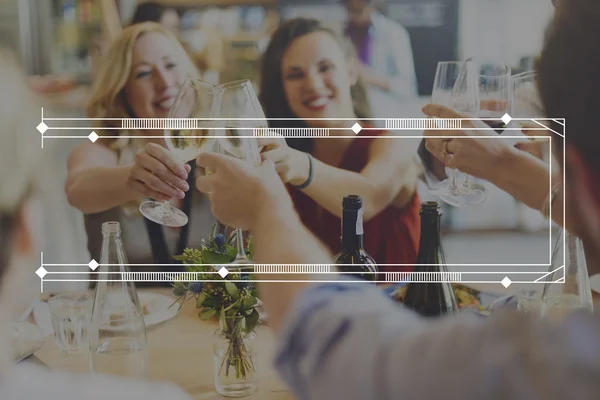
(186, 139)
(456, 86)
(241, 114)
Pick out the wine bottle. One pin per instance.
(430, 299)
(363, 265)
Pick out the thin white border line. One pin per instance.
(288, 265)
(550, 207)
(332, 272)
(549, 273)
(564, 185)
(357, 120)
(543, 127)
(288, 281)
(310, 136)
(548, 129)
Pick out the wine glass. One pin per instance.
(567, 290)
(495, 95)
(525, 101)
(240, 114)
(456, 86)
(494, 103)
(526, 104)
(188, 135)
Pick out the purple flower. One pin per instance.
(195, 287)
(220, 240)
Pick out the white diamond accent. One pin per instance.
(356, 128)
(506, 282)
(93, 265)
(506, 119)
(41, 272)
(93, 137)
(223, 272)
(42, 127)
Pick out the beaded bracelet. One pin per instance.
(310, 174)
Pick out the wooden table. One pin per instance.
(180, 351)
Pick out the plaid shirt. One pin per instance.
(348, 341)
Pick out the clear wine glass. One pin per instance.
(240, 114)
(456, 86)
(196, 100)
(526, 103)
(494, 103)
(495, 95)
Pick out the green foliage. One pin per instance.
(232, 296)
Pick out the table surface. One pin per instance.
(180, 351)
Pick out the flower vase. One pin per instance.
(234, 358)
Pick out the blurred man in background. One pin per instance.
(385, 54)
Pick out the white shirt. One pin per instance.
(391, 56)
(28, 381)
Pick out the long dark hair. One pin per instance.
(272, 95)
(148, 12)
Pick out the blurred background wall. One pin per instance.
(56, 41)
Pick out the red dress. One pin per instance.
(391, 237)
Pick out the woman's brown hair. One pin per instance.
(272, 95)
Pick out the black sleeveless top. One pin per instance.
(147, 242)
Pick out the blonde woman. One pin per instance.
(140, 77)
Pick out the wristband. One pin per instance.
(310, 174)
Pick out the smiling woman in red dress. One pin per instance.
(308, 73)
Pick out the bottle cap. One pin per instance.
(431, 208)
(111, 228)
(352, 203)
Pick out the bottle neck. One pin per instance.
(113, 251)
(430, 232)
(352, 230)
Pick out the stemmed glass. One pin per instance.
(495, 95)
(456, 86)
(186, 139)
(526, 103)
(240, 114)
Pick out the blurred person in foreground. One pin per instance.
(25, 209)
(311, 78)
(107, 180)
(348, 341)
(64, 221)
(385, 53)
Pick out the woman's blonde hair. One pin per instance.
(108, 99)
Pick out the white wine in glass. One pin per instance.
(197, 102)
(186, 144)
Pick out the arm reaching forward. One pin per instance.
(346, 340)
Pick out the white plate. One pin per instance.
(26, 339)
(156, 308)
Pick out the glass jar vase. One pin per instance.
(234, 358)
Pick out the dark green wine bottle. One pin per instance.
(430, 299)
(352, 242)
